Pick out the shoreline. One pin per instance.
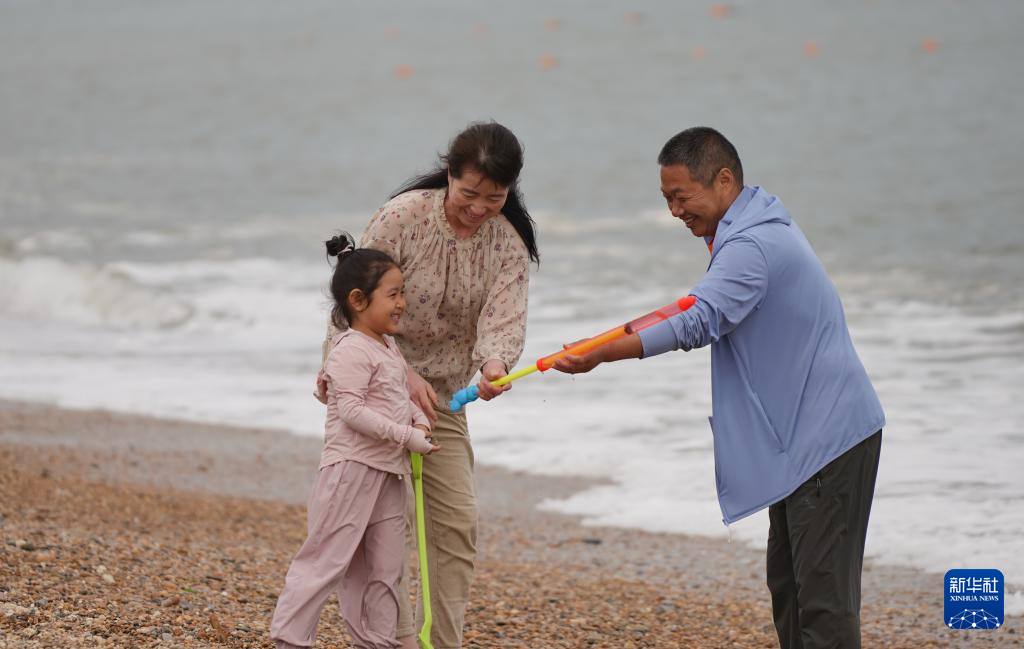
(213, 496)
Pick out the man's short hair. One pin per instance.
(704, 152)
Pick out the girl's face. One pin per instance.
(472, 200)
(381, 313)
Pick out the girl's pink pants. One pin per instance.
(355, 547)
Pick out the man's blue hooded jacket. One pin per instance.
(789, 393)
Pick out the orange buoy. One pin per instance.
(548, 62)
(633, 18)
(930, 45)
(404, 71)
(720, 10)
(811, 49)
(699, 53)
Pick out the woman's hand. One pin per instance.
(320, 390)
(492, 370)
(423, 395)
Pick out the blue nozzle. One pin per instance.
(462, 397)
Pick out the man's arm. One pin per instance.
(733, 286)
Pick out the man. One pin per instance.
(796, 422)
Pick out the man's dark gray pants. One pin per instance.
(816, 552)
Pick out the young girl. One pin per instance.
(356, 511)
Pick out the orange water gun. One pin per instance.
(472, 393)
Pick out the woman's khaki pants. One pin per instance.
(449, 503)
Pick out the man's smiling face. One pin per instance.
(700, 207)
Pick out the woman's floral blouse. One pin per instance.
(465, 298)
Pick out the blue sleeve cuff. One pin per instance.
(658, 339)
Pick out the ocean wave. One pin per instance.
(47, 288)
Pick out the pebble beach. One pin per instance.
(128, 531)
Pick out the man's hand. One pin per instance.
(617, 350)
(491, 371)
(423, 395)
(573, 364)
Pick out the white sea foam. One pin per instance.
(245, 353)
(69, 240)
(1014, 602)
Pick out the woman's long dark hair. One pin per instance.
(492, 150)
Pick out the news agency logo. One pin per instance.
(974, 599)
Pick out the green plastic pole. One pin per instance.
(421, 543)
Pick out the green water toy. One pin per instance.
(421, 544)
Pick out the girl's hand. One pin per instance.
(320, 391)
(492, 370)
(423, 395)
(421, 443)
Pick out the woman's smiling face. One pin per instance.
(472, 200)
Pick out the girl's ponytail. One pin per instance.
(340, 245)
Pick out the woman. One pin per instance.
(463, 241)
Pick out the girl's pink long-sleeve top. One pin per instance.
(370, 415)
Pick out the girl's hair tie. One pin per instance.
(340, 245)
